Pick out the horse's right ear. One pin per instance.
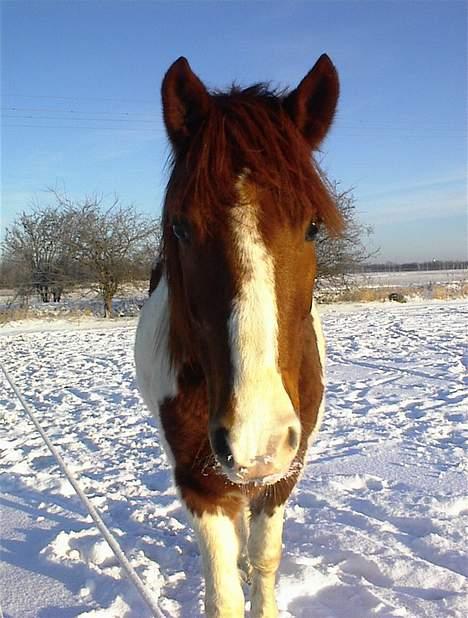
(185, 101)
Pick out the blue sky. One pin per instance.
(81, 107)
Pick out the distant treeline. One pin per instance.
(413, 266)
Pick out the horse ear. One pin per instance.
(312, 104)
(185, 101)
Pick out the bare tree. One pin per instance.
(36, 252)
(107, 246)
(108, 242)
(339, 257)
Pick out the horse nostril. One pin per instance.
(293, 437)
(222, 448)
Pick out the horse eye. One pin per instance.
(181, 231)
(312, 232)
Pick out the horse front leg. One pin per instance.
(219, 547)
(265, 541)
(242, 528)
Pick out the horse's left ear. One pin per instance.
(185, 100)
(312, 104)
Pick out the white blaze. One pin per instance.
(262, 405)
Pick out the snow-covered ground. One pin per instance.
(411, 278)
(377, 526)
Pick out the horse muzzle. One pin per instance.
(247, 457)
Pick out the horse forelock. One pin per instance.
(247, 130)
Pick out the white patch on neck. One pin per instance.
(260, 399)
(321, 351)
(156, 378)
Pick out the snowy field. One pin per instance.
(377, 526)
(412, 278)
(85, 302)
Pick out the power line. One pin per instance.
(158, 129)
(32, 117)
(65, 98)
(357, 129)
(359, 125)
(75, 111)
(45, 126)
(404, 124)
(151, 117)
(399, 128)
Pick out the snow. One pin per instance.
(376, 527)
(412, 277)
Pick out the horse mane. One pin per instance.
(245, 133)
(248, 130)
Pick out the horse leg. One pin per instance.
(265, 554)
(219, 547)
(243, 562)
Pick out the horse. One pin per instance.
(229, 349)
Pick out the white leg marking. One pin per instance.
(155, 377)
(265, 555)
(219, 548)
(262, 403)
(321, 350)
(242, 528)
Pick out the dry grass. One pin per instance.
(363, 294)
(69, 309)
(11, 314)
(450, 291)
